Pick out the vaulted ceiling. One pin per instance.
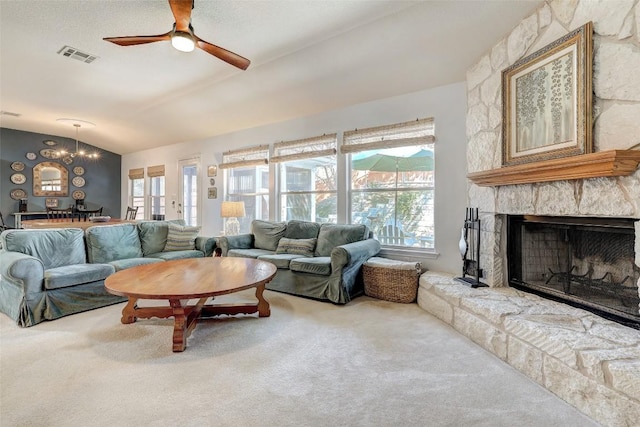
(307, 56)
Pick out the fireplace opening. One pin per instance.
(586, 262)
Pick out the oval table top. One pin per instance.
(190, 278)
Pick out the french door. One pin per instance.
(189, 191)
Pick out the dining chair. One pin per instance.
(4, 226)
(60, 214)
(85, 214)
(131, 213)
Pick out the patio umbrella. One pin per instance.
(420, 161)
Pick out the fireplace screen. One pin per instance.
(589, 262)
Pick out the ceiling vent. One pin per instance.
(72, 52)
(9, 113)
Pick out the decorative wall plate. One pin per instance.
(78, 181)
(78, 195)
(49, 153)
(18, 194)
(18, 178)
(50, 143)
(67, 160)
(212, 181)
(31, 156)
(17, 166)
(78, 170)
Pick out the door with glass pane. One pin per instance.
(189, 197)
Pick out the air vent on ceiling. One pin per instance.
(9, 113)
(72, 52)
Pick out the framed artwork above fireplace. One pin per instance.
(547, 100)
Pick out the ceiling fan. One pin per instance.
(183, 38)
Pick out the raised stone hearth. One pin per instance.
(588, 361)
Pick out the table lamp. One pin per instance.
(231, 211)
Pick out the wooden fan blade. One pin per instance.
(133, 40)
(182, 13)
(224, 54)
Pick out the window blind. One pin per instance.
(415, 132)
(136, 173)
(317, 146)
(253, 156)
(153, 171)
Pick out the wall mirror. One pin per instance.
(50, 179)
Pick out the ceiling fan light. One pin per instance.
(183, 41)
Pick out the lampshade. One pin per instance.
(232, 210)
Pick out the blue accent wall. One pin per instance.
(102, 176)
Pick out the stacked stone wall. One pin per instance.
(616, 114)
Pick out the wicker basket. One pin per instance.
(391, 280)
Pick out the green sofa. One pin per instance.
(49, 273)
(319, 261)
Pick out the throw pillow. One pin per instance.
(267, 234)
(181, 237)
(304, 247)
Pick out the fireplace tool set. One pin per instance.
(470, 250)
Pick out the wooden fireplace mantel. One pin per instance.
(601, 164)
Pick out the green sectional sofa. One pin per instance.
(320, 261)
(49, 273)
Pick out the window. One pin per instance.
(307, 173)
(247, 180)
(392, 182)
(156, 191)
(136, 191)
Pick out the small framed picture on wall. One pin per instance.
(51, 203)
(213, 193)
(212, 170)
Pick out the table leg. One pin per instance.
(185, 320)
(129, 311)
(263, 304)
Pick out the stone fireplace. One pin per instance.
(587, 360)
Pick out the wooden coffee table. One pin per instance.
(194, 278)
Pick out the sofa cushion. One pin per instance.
(302, 247)
(267, 234)
(249, 253)
(55, 247)
(153, 235)
(181, 237)
(301, 229)
(332, 235)
(78, 274)
(318, 265)
(112, 242)
(167, 256)
(279, 260)
(123, 264)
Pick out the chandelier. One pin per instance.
(78, 153)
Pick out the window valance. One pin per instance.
(317, 146)
(416, 132)
(137, 173)
(253, 156)
(154, 171)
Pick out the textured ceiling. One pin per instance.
(307, 57)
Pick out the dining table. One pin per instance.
(67, 223)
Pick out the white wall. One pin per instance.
(447, 104)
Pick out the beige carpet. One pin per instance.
(369, 363)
